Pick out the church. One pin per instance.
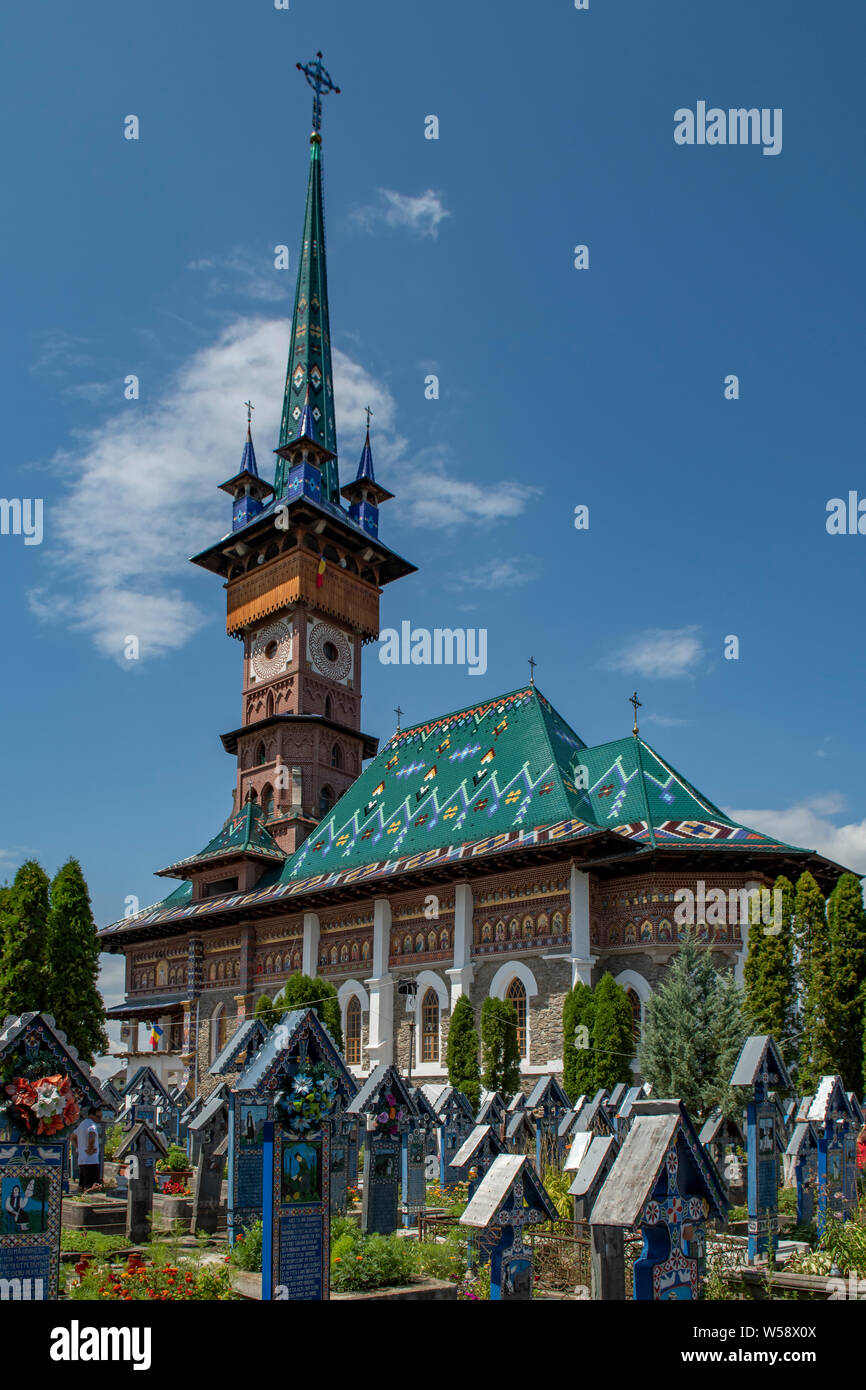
(488, 851)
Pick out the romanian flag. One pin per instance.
(156, 1034)
(320, 574)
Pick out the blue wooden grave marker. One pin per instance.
(32, 1164)
(299, 1076)
(547, 1103)
(663, 1181)
(246, 1127)
(457, 1119)
(803, 1150)
(831, 1115)
(386, 1103)
(509, 1198)
(760, 1067)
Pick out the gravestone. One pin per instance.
(416, 1144)
(344, 1141)
(569, 1121)
(720, 1136)
(479, 1150)
(625, 1111)
(802, 1150)
(606, 1243)
(509, 1198)
(210, 1128)
(246, 1122)
(140, 1151)
(48, 1089)
(492, 1111)
(547, 1103)
(300, 1077)
(519, 1132)
(831, 1115)
(457, 1120)
(760, 1068)
(386, 1104)
(145, 1094)
(663, 1181)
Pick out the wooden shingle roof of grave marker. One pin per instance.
(38, 1032)
(718, 1128)
(657, 1125)
(803, 1140)
(243, 1044)
(594, 1167)
(140, 1130)
(496, 1185)
(580, 1146)
(192, 1110)
(217, 1100)
(471, 1145)
(386, 1074)
(266, 1070)
(761, 1061)
(830, 1095)
(547, 1089)
(146, 1076)
(492, 1109)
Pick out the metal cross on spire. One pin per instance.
(636, 703)
(368, 413)
(532, 665)
(320, 80)
(398, 712)
(250, 408)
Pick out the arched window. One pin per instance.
(516, 995)
(634, 1000)
(336, 756)
(268, 802)
(430, 1027)
(260, 755)
(269, 704)
(328, 707)
(326, 801)
(353, 1031)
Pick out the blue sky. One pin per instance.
(557, 387)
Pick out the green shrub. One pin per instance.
(175, 1161)
(371, 1262)
(90, 1242)
(246, 1253)
(113, 1140)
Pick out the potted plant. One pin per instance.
(174, 1169)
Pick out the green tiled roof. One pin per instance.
(244, 833)
(502, 765)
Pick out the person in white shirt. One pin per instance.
(87, 1142)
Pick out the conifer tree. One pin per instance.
(464, 1072)
(23, 932)
(693, 1032)
(768, 976)
(300, 990)
(265, 1009)
(847, 923)
(500, 1055)
(814, 982)
(612, 1034)
(578, 1060)
(72, 964)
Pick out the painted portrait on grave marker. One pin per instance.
(301, 1172)
(252, 1126)
(385, 1167)
(338, 1159)
(23, 1205)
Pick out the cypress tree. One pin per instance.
(462, 1052)
(23, 932)
(72, 964)
(612, 1034)
(578, 1060)
(500, 1056)
(847, 922)
(265, 1009)
(300, 990)
(693, 1032)
(768, 975)
(814, 981)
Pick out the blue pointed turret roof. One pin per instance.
(365, 467)
(248, 458)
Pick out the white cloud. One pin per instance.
(498, 574)
(139, 495)
(662, 652)
(807, 826)
(421, 214)
(244, 272)
(665, 721)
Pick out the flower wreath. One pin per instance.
(389, 1116)
(33, 1103)
(312, 1098)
